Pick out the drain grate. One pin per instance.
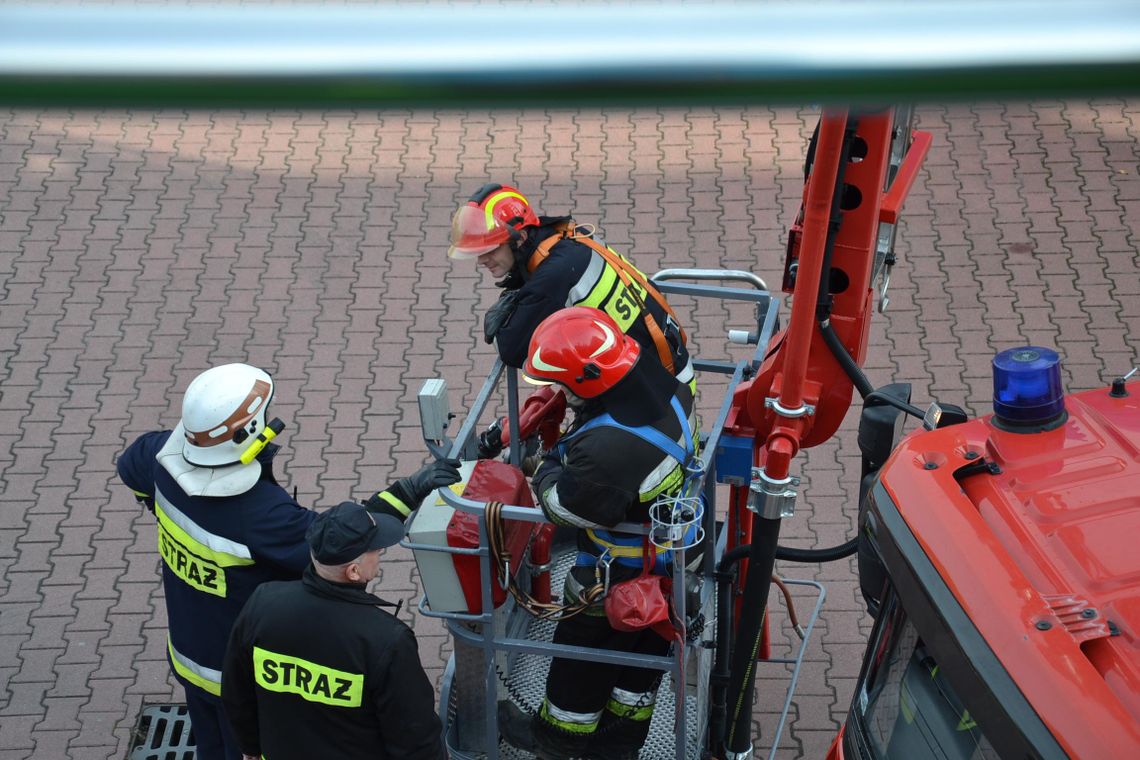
(162, 733)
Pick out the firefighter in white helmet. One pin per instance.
(225, 525)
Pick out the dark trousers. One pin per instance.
(584, 686)
(212, 735)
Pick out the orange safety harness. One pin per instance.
(626, 272)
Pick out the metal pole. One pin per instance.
(670, 53)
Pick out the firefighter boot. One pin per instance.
(618, 738)
(516, 727)
(531, 734)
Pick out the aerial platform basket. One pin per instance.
(503, 652)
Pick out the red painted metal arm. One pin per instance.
(895, 198)
(783, 441)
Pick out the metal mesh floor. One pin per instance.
(526, 683)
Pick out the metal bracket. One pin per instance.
(884, 299)
(745, 755)
(783, 411)
(772, 499)
(542, 567)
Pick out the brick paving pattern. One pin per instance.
(138, 248)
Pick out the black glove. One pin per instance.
(499, 314)
(442, 472)
(547, 473)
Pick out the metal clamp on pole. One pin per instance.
(800, 411)
(772, 499)
(745, 755)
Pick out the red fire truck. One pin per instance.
(993, 552)
(1001, 561)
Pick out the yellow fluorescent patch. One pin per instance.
(308, 680)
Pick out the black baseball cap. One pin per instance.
(348, 530)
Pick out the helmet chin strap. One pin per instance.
(518, 269)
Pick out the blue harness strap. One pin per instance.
(667, 445)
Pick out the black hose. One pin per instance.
(858, 379)
(792, 554)
(761, 562)
(718, 708)
(897, 403)
(850, 368)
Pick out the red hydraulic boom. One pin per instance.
(803, 389)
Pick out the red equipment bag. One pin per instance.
(490, 481)
(643, 602)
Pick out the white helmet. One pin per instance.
(222, 412)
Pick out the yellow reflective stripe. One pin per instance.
(489, 207)
(396, 504)
(204, 678)
(967, 722)
(601, 288)
(622, 307)
(617, 550)
(906, 703)
(576, 723)
(140, 494)
(196, 572)
(308, 680)
(671, 482)
(630, 712)
(613, 296)
(217, 556)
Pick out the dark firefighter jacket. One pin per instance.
(317, 669)
(608, 476)
(217, 550)
(574, 275)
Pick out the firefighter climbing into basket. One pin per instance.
(626, 456)
(551, 262)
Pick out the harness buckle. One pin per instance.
(602, 570)
(505, 580)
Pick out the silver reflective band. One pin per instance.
(204, 678)
(588, 280)
(561, 513)
(210, 540)
(633, 699)
(572, 717)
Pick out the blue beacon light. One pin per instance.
(1027, 387)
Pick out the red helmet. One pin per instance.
(484, 222)
(582, 349)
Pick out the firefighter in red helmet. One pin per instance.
(623, 404)
(548, 263)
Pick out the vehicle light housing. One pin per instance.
(1027, 386)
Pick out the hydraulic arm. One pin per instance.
(804, 388)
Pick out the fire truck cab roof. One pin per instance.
(1016, 555)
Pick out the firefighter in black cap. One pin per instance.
(225, 525)
(317, 668)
